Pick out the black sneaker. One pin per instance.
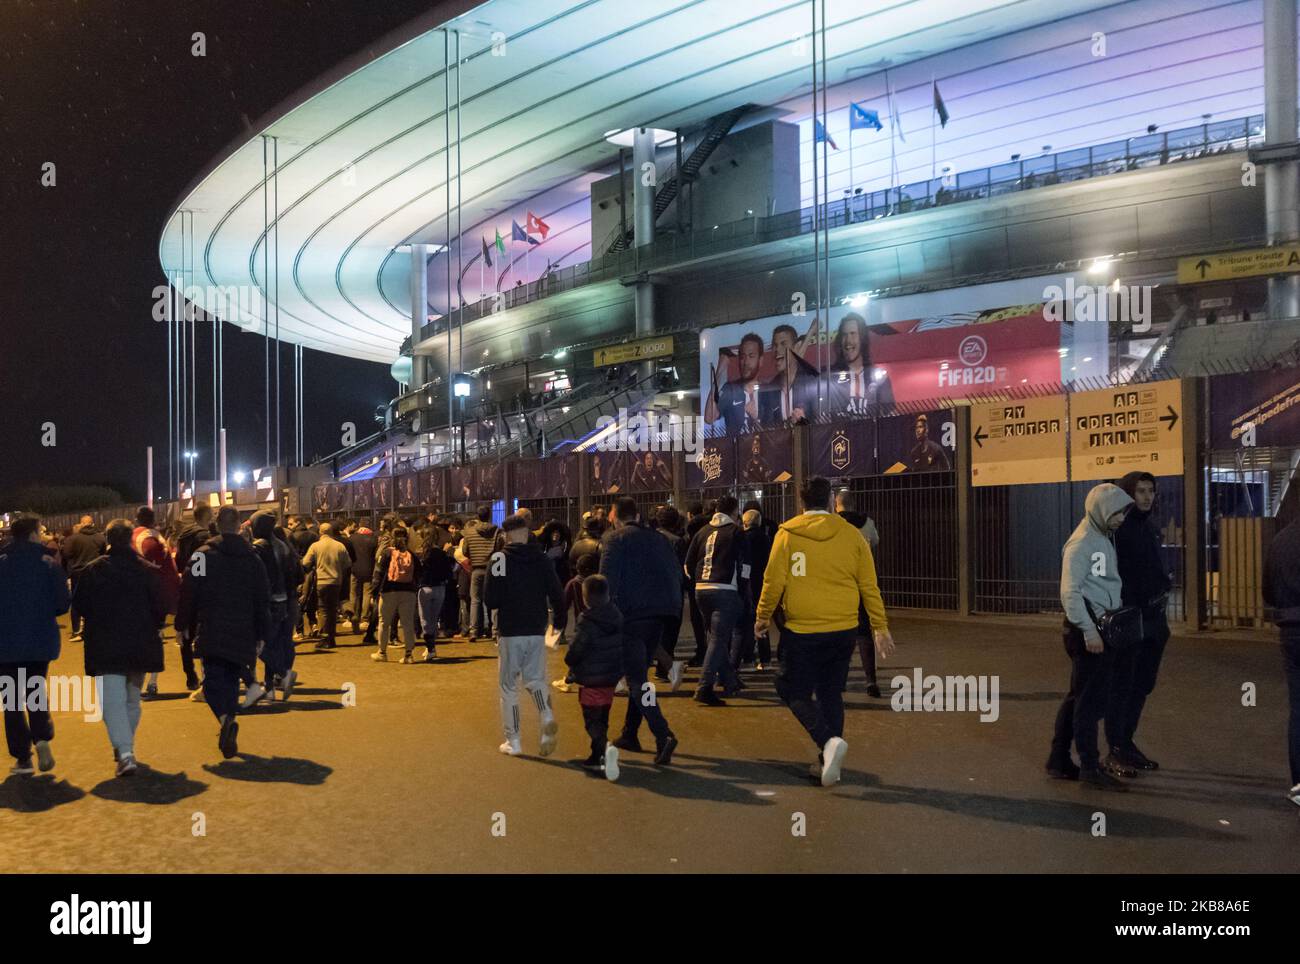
(1099, 779)
(1066, 770)
(734, 688)
(629, 743)
(1134, 758)
(191, 683)
(695, 662)
(593, 762)
(227, 741)
(873, 691)
(664, 754)
(1118, 768)
(706, 696)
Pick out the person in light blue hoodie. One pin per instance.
(1089, 580)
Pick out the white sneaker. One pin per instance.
(832, 759)
(621, 688)
(561, 685)
(197, 695)
(550, 728)
(675, 674)
(286, 684)
(126, 765)
(254, 693)
(611, 762)
(1294, 795)
(511, 748)
(44, 756)
(21, 770)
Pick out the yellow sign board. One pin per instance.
(1239, 264)
(660, 347)
(1130, 428)
(1017, 442)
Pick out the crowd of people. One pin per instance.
(240, 593)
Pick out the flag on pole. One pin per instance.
(860, 117)
(536, 225)
(939, 107)
(519, 234)
(893, 117)
(822, 135)
(500, 244)
(486, 256)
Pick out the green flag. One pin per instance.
(501, 245)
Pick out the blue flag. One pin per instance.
(519, 234)
(860, 117)
(821, 135)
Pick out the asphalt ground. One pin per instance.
(409, 779)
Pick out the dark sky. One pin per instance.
(108, 90)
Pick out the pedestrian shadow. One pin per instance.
(149, 786)
(1041, 697)
(638, 772)
(292, 705)
(276, 769)
(314, 691)
(36, 794)
(452, 660)
(1070, 816)
(165, 697)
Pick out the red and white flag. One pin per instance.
(537, 226)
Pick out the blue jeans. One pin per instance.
(431, 599)
(119, 699)
(722, 610)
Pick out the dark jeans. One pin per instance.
(73, 612)
(328, 601)
(24, 727)
(595, 719)
(221, 679)
(1085, 704)
(187, 656)
(640, 640)
(816, 665)
(278, 653)
(1132, 678)
(1291, 659)
(699, 627)
(867, 651)
(722, 610)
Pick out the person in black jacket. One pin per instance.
(437, 568)
(1282, 592)
(84, 546)
(191, 536)
(283, 574)
(718, 561)
(520, 583)
(595, 661)
(119, 597)
(1146, 583)
(760, 547)
(224, 606)
(644, 584)
(588, 543)
(696, 519)
(670, 669)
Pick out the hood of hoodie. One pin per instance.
(817, 526)
(485, 529)
(263, 524)
(722, 519)
(606, 616)
(90, 529)
(527, 553)
(1102, 502)
(231, 544)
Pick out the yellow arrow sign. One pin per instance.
(1228, 265)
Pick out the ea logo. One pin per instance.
(972, 350)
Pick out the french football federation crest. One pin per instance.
(841, 451)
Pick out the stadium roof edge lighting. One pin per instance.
(363, 155)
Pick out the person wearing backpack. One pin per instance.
(395, 583)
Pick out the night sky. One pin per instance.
(108, 90)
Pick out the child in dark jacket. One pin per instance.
(596, 662)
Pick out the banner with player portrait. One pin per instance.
(340, 497)
(362, 494)
(529, 480)
(920, 442)
(610, 472)
(382, 492)
(320, 498)
(461, 484)
(651, 472)
(408, 490)
(561, 476)
(431, 488)
(490, 476)
(765, 457)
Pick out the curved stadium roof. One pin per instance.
(363, 158)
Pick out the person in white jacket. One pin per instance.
(1089, 579)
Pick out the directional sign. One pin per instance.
(1129, 428)
(1018, 442)
(1239, 264)
(660, 347)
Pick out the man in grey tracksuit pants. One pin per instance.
(1089, 578)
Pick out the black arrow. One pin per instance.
(980, 436)
(1202, 266)
(1171, 418)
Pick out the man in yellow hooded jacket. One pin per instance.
(819, 570)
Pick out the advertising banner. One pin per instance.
(340, 497)
(844, 450)
(765, 457)
(1255, 408)
(431, 491)
(561, 476)
(529, 480)
(320, 498)
(408, 490)
(772, 371)
(923, 442)
(716, 465)
(383, 492)
(461, 484)
(490, 477)
(610, 472)
(1019, 442)
(651, 472)
(1126, 429)
(362, 494)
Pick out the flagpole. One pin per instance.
(893, 163)
(933, 112)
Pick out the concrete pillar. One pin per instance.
(1281, 181)
(643, 227)
(419, 300)
(1194, 505)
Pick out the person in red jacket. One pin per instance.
(149, 544)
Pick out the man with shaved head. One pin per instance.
(332, 562)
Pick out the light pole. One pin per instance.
(191, 456)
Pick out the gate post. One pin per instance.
(1194, 507)
(965, 515)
